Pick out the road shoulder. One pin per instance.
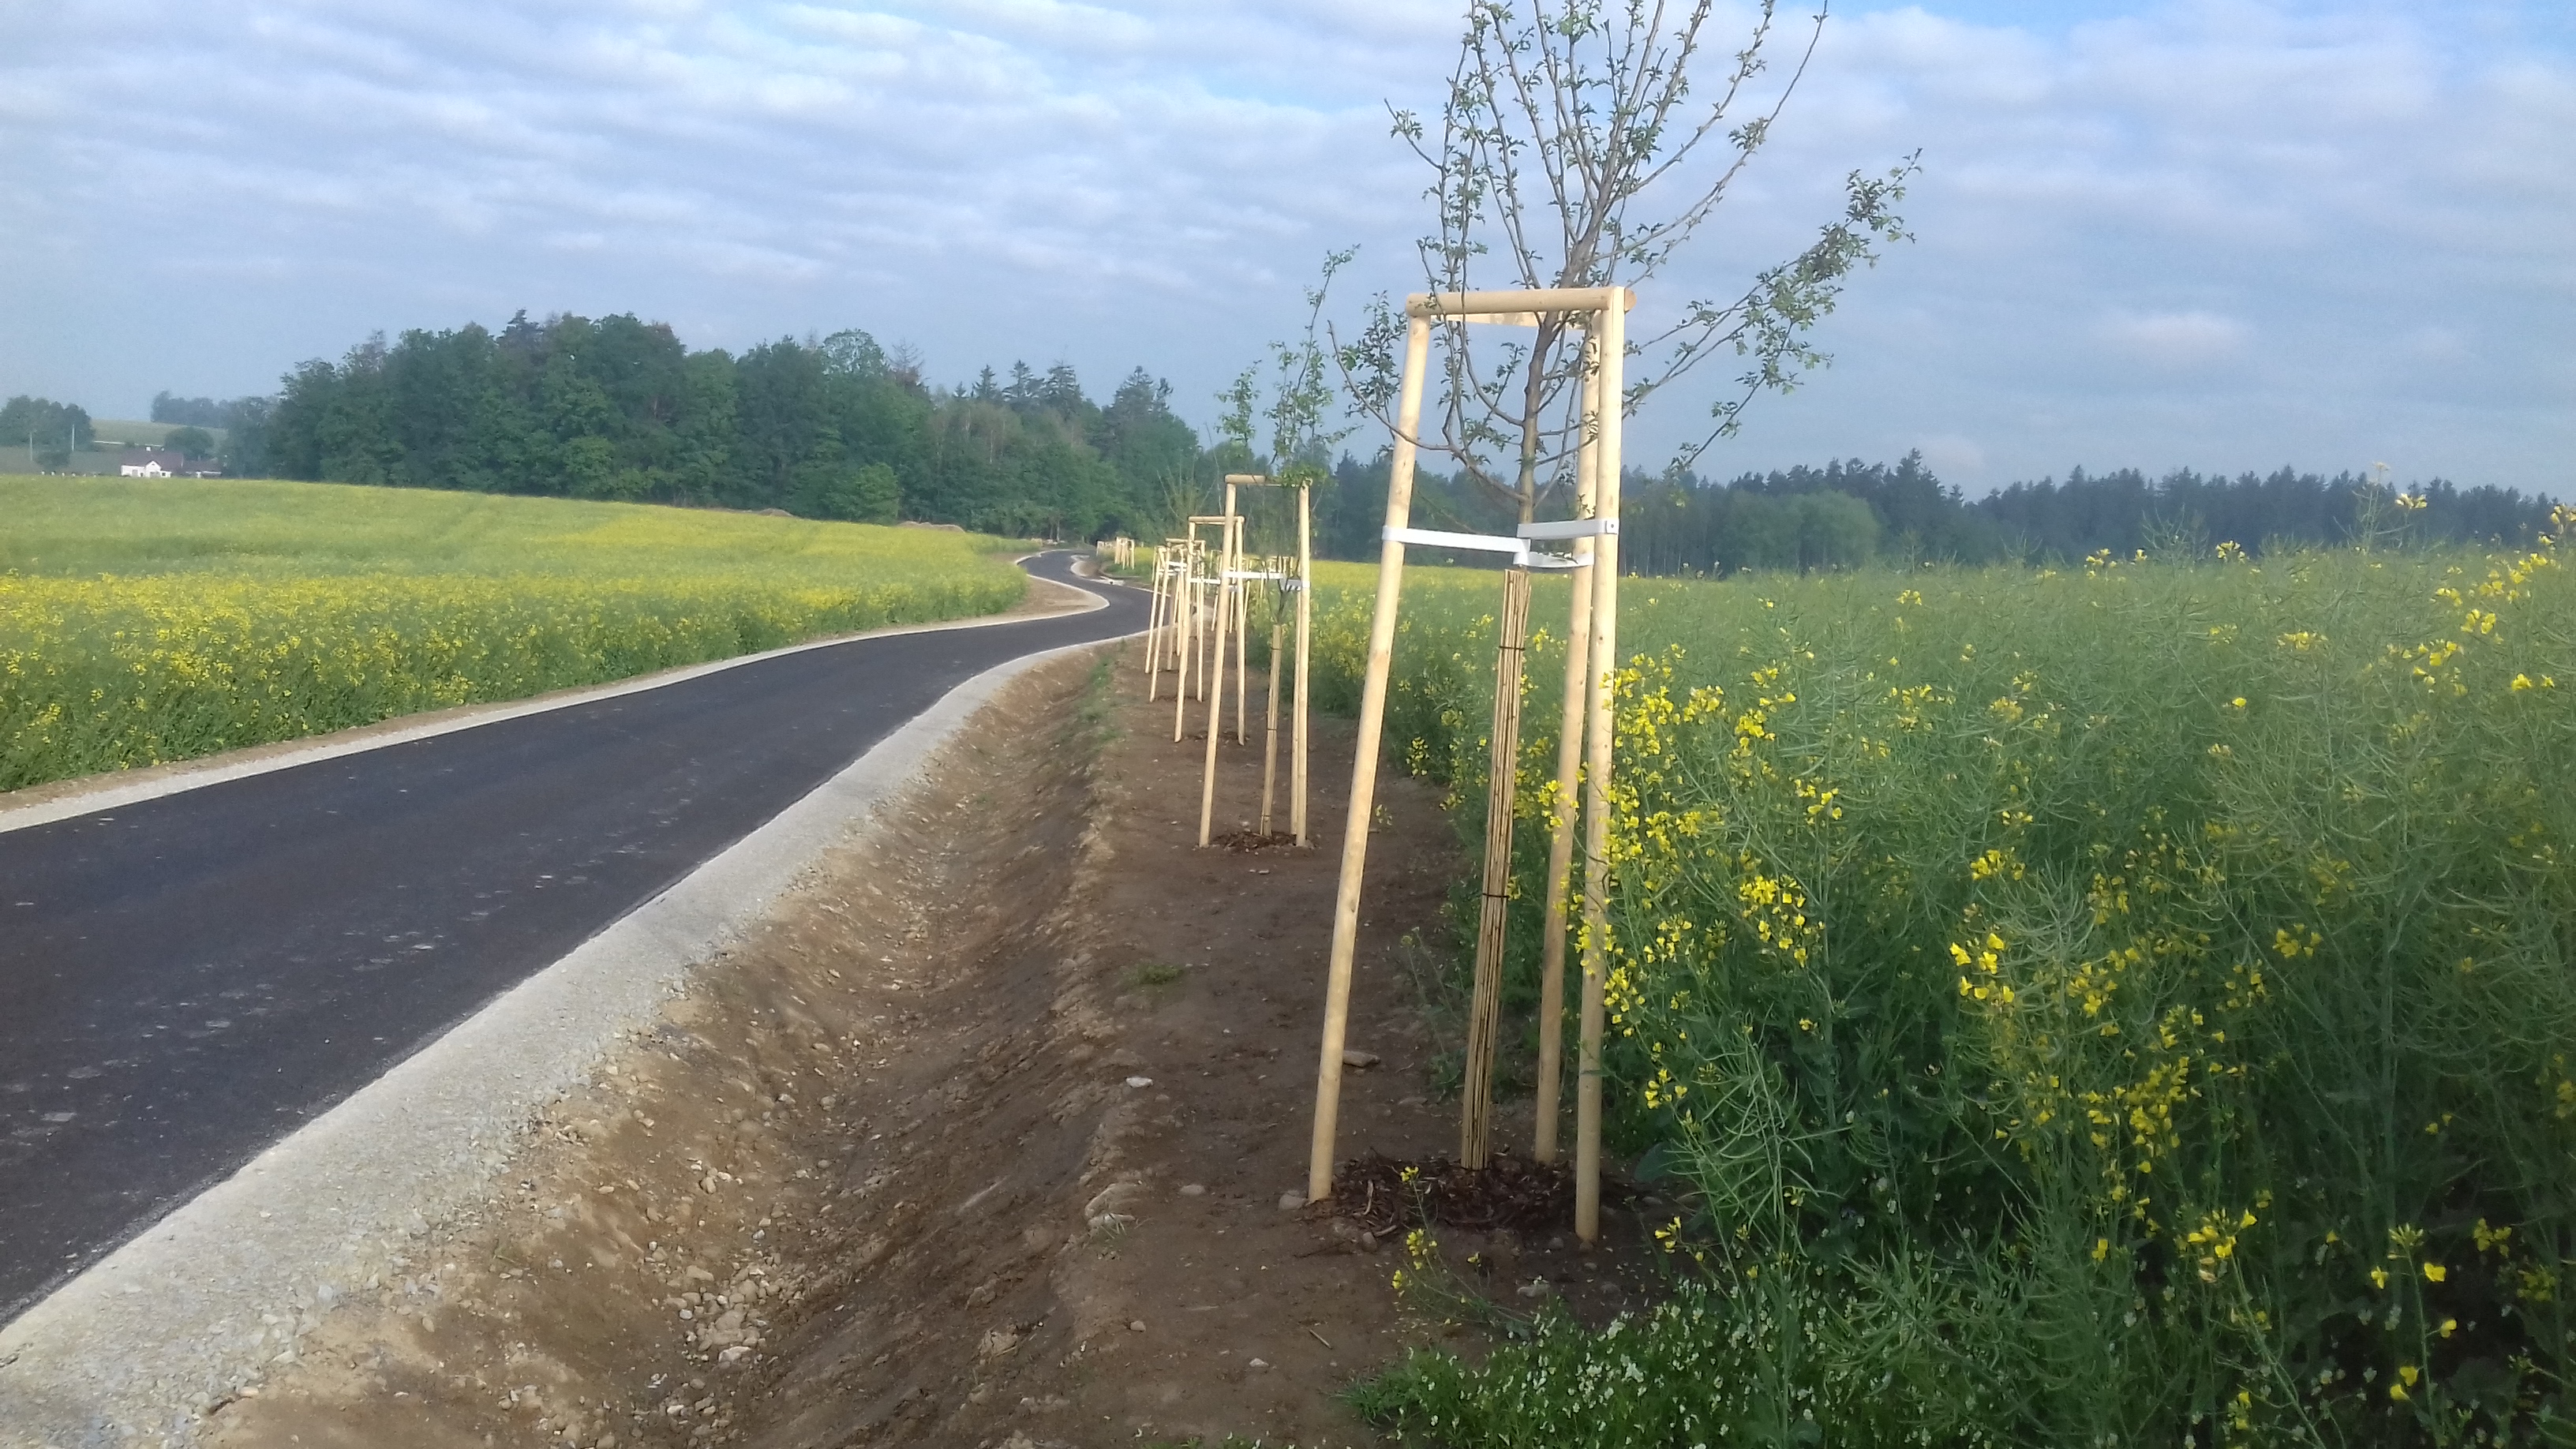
(226, 1287)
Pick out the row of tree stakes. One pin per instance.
(1204, 583)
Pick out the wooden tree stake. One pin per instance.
(1485, 1011)
(1187, 636)
(1154, 635)
(1224, 611)
(1601, 669)
(1564, 808)
(1242, 629)
(1372, 722)
(1305, 617)
(1270, 732)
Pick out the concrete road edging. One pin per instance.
(136, 1349)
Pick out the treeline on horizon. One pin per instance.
(839, 428)
(1847, 514)
(48, 431)
(621, 409)
(1852, 512)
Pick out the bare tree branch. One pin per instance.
(1586, 106)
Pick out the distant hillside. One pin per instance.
(114, 433)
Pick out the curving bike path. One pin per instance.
(187, 979)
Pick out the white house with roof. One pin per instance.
(150, 463)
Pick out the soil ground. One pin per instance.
(983, 1140)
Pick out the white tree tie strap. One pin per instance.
(1522, 555)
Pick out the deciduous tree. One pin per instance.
(1584, 143)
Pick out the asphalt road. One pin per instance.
(186, 980)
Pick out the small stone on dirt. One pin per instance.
(1535, 1288)
(1358, 1060)
(1136, 1325)
(1192, 1189)
(1140, 1082)
(1258, 1363)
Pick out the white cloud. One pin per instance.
(2215, 232)
(2175, 339)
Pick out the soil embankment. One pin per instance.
(981, 1141)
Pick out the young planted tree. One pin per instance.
(1294, 406)
(1584, 144)
(1285, 425)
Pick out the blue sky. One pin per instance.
(2217, 234)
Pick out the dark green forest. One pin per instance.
(617, 408)
(45, 433)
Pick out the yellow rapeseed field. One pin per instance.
(148, 621)
(2074, 1006)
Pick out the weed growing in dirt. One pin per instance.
(1107, 1232)
(145, 621)
(1155, 973)
(2092, 1005)
(1095, 719)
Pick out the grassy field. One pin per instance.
(130, 433)
(2126, 1004)
(145, 621)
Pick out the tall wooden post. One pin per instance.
(1225, 570)
(1154, 635)
(1485, 1009)
(1203, 609)
(1305, 617)
(1599, 756)
(1363, 804)
(1186, 635)
(1270, 731)
(1212, 633)
(1572, 712)
(1242, 628)
(1213, 590)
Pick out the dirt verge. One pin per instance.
(981, 1140)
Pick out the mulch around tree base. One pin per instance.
(1511, 1192)
(1245, 842)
